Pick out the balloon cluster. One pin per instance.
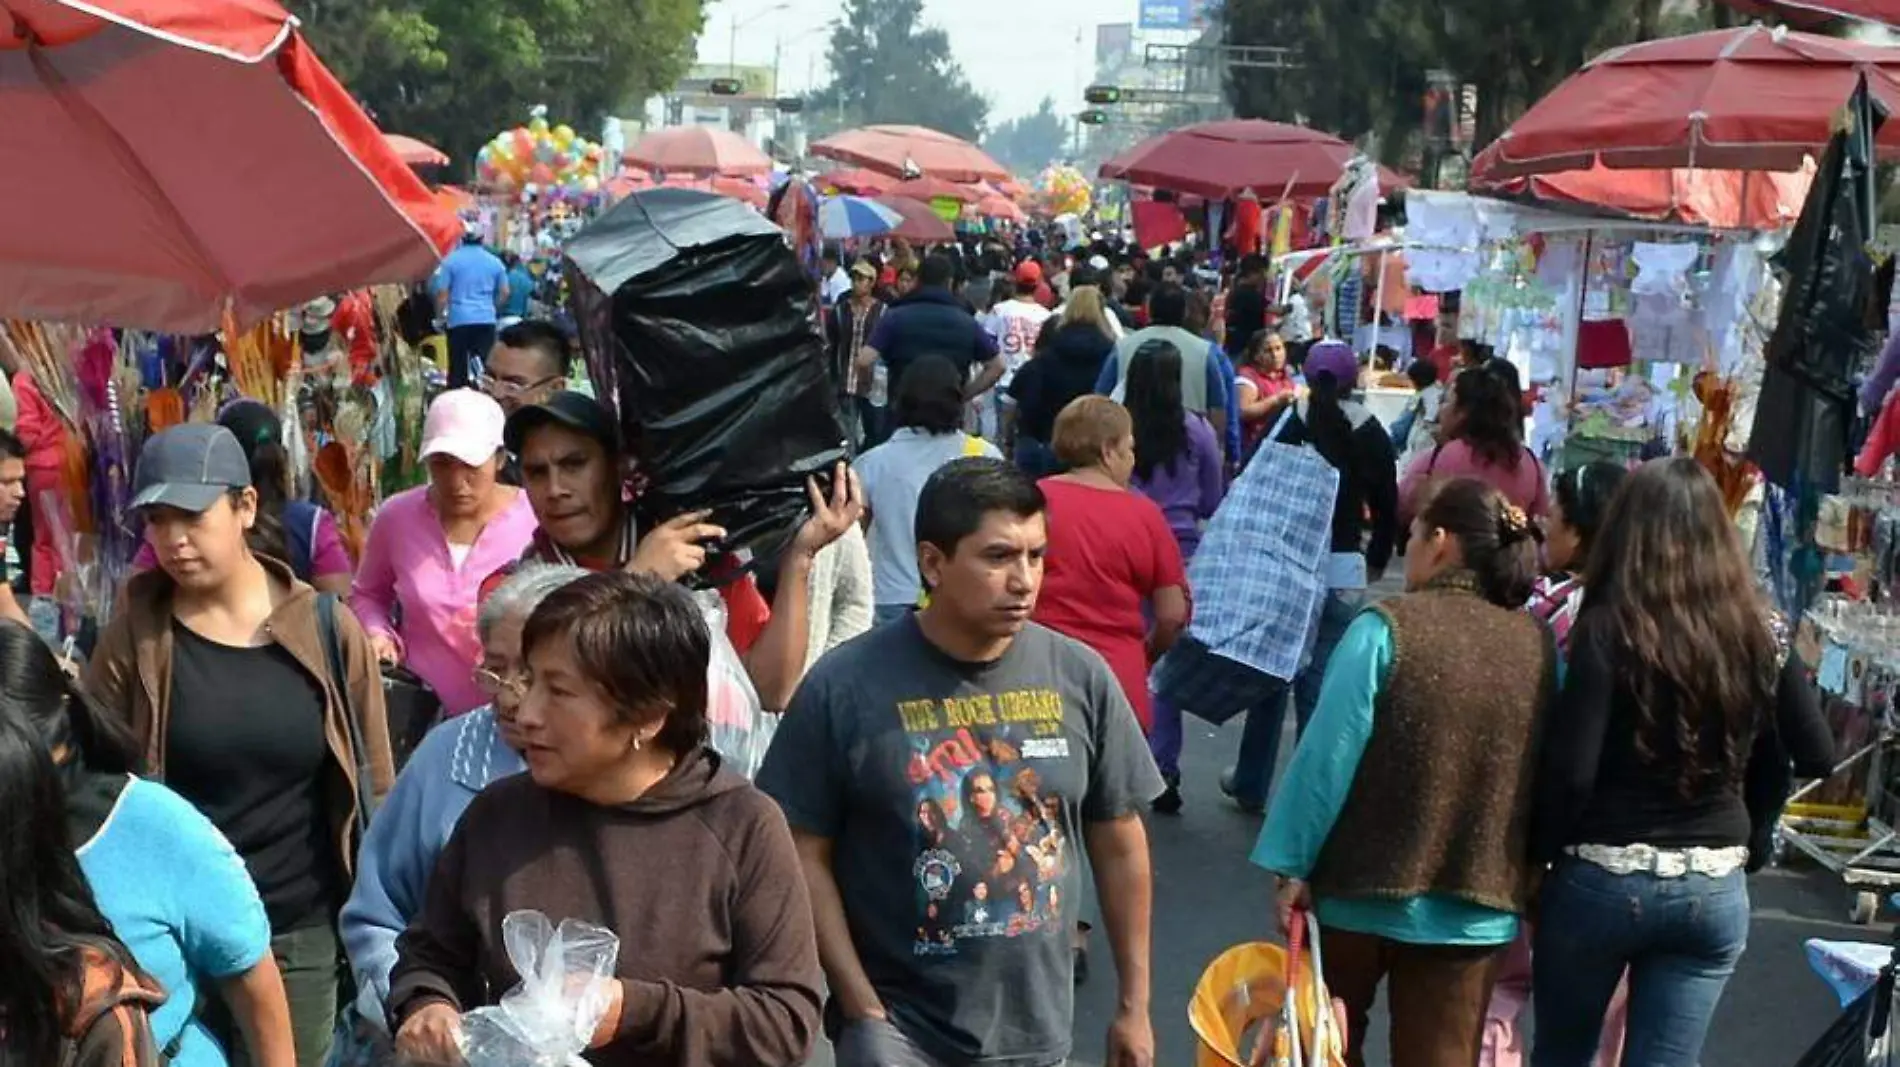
(1063, 190)
(542, 161)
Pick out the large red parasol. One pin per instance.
(1815, 12)
(1220, 160)
(920, 223)
(856, 180)
(1721, 199)
(169, 159)
(928, 189)
(697, 150)
(888, 149)
(416, 153)
(1000, 207)
(1741, 99)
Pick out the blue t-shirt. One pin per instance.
(520, 288)
(180, 899)
(473, 277)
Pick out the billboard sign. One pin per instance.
(1174, 14)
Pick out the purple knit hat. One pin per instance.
(1335, 358)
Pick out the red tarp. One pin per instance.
(888, 149)
(1221, 160)
(166, 158)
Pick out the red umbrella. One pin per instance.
(1722, 199)
(920, 222)
(416, 153)
(856, 180)
(170, 159)
(1815, 12)
(697, 150)
(928, 189)
(1000, 207)
(891, 149)
(1220, 160)
(736, 188)
(1741, 99)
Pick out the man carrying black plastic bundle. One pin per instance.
(571, 466)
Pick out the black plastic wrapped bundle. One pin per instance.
(696, 321)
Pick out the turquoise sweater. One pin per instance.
(1315, 790)
(180, 899)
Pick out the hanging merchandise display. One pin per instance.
(696, 322)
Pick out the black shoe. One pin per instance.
(1246, 804)
(1169, 802)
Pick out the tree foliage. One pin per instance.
(456, 72)
(1029, 143)
(887, 66)
(1361, 64)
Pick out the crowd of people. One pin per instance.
(225, 849)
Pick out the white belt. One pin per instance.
(1663, 862)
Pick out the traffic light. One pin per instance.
(1102, 94)
(1093, 117)
(790, 105)
(726, 87)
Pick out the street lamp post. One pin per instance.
(734, 22)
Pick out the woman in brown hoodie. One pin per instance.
(626, 819)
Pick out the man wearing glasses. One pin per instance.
(527, 365)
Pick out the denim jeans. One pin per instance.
(1680, 938)
(1260, 738)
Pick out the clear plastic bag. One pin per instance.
(740, 727)
(549, 1019)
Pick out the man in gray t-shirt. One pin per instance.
(941, 774)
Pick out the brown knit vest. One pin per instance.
(1441, 803)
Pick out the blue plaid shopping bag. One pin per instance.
(1258, 582)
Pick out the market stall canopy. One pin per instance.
(888, 149)
(920, 221)
(168, 159)
(928, 189)
(700, 150)
(1719, 199)
(1220, 160)
(1742, 99)
(735, 188)
(1814, 12)
(856, 180)
(416, 153)
(1000, 207)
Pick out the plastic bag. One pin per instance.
(740, 727)
(549, 1019)
(698, 327)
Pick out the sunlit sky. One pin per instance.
(1014, 51)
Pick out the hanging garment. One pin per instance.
(1602, 345)
(1663, 270)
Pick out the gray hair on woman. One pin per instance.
(522, 592)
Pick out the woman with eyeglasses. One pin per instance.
(456, 761)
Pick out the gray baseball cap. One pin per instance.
(189, 467)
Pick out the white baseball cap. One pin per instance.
(464, 424)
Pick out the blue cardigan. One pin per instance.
(457, 760)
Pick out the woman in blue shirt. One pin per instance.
(175, 892)
(1405, 815)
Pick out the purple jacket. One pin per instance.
(1189, 489)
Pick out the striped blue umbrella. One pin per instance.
(844, 217)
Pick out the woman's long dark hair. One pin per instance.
(1584, 493)
(260, 433)
(1490, 419)
(36, 693)
(1690, 632)
(1153, 399)
(47, 911)
(1326, 423)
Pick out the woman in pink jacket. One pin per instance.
(431, 547)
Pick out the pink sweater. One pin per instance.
(1526, 486)
(407, 563)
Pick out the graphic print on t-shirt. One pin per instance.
(992, 855)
